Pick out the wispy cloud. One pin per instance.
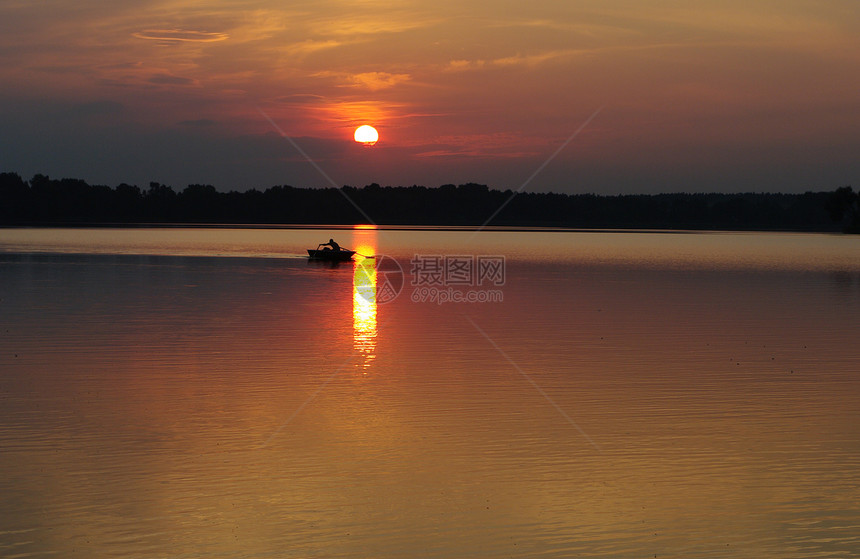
(170, 79)
(371, 81)
(583, 28)
(180, 36)
(527, 60)
(309, 46)
(383, 22)
(300, 99)
(534, 59)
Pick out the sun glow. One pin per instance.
(366, 135)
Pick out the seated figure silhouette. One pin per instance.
(331, 245)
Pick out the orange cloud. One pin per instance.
(516, 60)
(310, 46)
(372, 81)
(180, 36)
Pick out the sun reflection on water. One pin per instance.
(364, 310)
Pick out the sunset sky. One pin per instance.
(704, 95)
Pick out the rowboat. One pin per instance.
(320, 253)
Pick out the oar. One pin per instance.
(364, 255)
(358, 253)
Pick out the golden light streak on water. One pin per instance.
(364, 311)
(364, 302)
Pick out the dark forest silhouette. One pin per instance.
(46, 201)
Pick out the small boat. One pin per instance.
(320, 253)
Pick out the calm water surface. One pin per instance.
(211, 393)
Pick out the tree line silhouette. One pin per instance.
(46, 201)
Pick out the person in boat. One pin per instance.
(334, 246)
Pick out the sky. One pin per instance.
(587, 96)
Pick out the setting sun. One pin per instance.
(366, 135)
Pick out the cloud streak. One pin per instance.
(371, 81)
(180, 36)
(169, 79)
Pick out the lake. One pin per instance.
(194, 392)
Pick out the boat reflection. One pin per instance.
(364, 311)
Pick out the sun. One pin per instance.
(366, 135)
